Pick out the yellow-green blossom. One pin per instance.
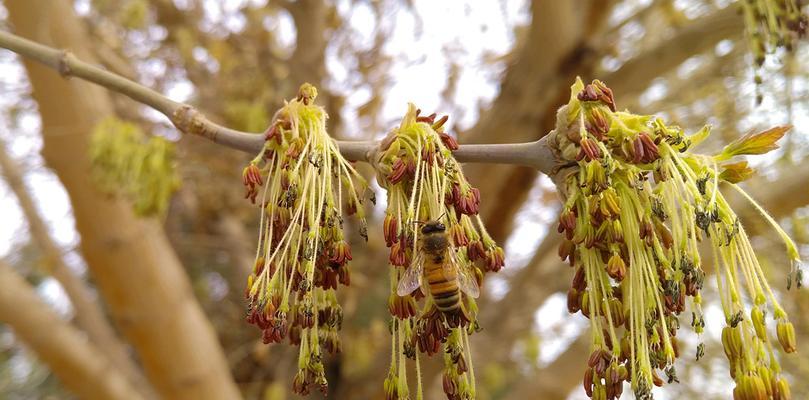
(141, 167)
(302, 184)
(637, 206)
(425, 183)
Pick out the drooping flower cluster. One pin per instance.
(637, 205)
(773, 24)
(301, 183)
(127, 161)
(424, 183)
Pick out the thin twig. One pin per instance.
(189, 120)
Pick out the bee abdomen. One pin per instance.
(448, 302)
(443, 288)
(446, 295)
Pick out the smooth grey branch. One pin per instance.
(189, 120)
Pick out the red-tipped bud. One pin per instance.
(440, 123)
(616, 268)
(458, 234)
(567, 223)
(398, 254)
(475, 250)
(430, 119)
(390, 229)
(598, 91)
(449, 141)
(401, 307)
(450, 387)
(597, 124)
(341, 253)
(573, 298)
(650, 150)
(274, 131)
(566, 249)
(251, 178)
(398, 171)
(467, 200)
(495, 258)
(579, 282)
(344, 275)
(589, 150)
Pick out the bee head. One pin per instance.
(432, 227)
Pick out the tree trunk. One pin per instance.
(131, 260)
(556, 380)
(88, 313)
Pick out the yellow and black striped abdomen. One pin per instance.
(443, 285)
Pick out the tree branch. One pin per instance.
(189, 120)
(89, 314)
(557, 379)
(691, 40)
(80, 366)
(149, 294)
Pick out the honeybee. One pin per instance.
(445, 277)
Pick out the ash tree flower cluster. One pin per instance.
(298, 180)
(637, 205)
(772, 25)
(425, 183)
(302, 185)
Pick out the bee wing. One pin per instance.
(466, 281)
(411, 279)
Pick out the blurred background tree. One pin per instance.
(156, 304)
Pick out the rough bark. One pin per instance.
(62, 347)
(137, 271)
(88, 313)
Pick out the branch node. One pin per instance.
(190, 121)
(63, 65)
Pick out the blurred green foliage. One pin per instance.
(141, 167)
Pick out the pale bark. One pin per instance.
(556, 380)
(88, 313)
(536, 154)
(308, 61)
(136, 270)
(81, 367)
(544, 275)
(558, 47)
(692, 40)
(538, 82)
